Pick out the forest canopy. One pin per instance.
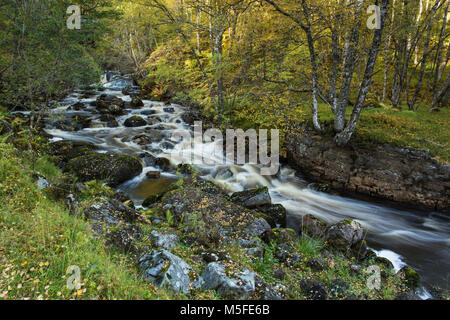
(245, 62)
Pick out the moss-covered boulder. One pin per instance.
(410, 277)
(312, 226)
(67, 150)
(135, 121)
(110, 167)
(136, 102)
(152, 199)
(275, 214)
(283, 235)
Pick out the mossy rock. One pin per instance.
(185, 169)
(384, 262)
(135, 121)
(152, 199)
(283, 235)
(312, 226)
(67, 150)
(57, 192)
(275, 214)
(252, 198)
(112, 168)
(410, 277)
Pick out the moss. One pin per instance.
(284, 235)
(152, 199)
(410, 276)
(112, 168)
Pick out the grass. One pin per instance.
(404, 128)
(39, 240)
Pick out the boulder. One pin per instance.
(283, 235)
(66, 150)
(135, 121)
(185, 168)
(112, 124)
(164, 164)
(223, 174)
(254, 247)
(410, 277)
(210, 257)
(136, 102)
(169, 110)
(241, 286)
(149, 160)
(113, 109)
(344, 234)
(142, 139)
(259, 228)
(284, 253)
(339, 287)
(359, 249)
(312, 226)
(130, 90)
(152, 199)
(111, 213)
(275, 214)
(252, 198)
(112, 168)
(166, 269)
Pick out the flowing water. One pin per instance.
(417, 238)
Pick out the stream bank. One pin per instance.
(383, 171)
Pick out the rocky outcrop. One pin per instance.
(397, 174)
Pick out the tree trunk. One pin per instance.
(349, 68)
(344, 136)
(437, 72)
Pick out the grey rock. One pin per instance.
(344, 234)
(252, 198)
(223, 174)
(241, 287)
(258, 228)
(166, 269)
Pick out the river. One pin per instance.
(417, 238)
